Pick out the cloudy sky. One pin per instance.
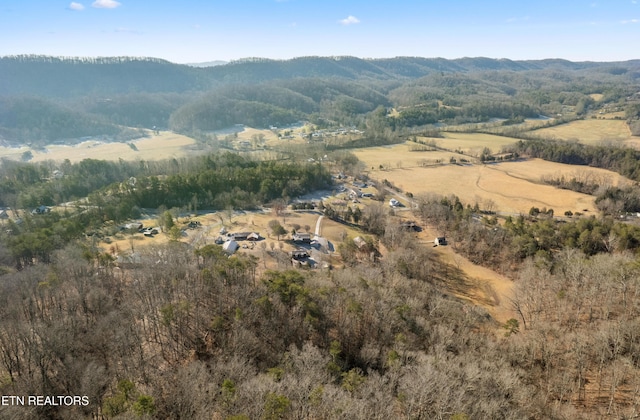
(204, 30)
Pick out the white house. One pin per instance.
(394, 203)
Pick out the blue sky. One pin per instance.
(199, 30)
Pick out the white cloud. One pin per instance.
(105, 4)
(76, 6)
(624, 22)
(351, 20)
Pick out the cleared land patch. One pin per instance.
(484, 287)
(589, 131)
(512, 187)
(401, 155)
(473, 143)
(157, 147)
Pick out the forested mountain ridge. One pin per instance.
(69, 77)
(102, 96)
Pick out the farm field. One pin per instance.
(474, 143)
(167, 145)
(400, 155)
(589, 131)
(511, 187)
(164, 146)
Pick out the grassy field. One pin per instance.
(512, 187)
(164, 146)
(589, 131)
(405, 155)
(157, 147)
(400, 155)
(474, 143)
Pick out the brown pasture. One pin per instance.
(512, 187)
(400, 156)
(474, 143)
(589, 131)
(157, 147)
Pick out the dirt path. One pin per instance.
(318, 225)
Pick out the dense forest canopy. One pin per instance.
(45, 99)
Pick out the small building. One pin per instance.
(230, 247)
(41, 210)
(4, 214)
(360, 242)
(299, 254)
(239, 236)
(394, 203)
(302, 237)
(440, 240)
(253, 236)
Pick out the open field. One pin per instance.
(400, 155)
(474, 143)
(511, 187)
(589, 131)
(164, 146)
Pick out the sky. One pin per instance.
(194, 31)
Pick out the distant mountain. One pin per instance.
(75, 77)
(51, 98)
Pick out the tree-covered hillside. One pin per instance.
(146, 93)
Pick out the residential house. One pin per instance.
(299, 254)
(302, 237)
